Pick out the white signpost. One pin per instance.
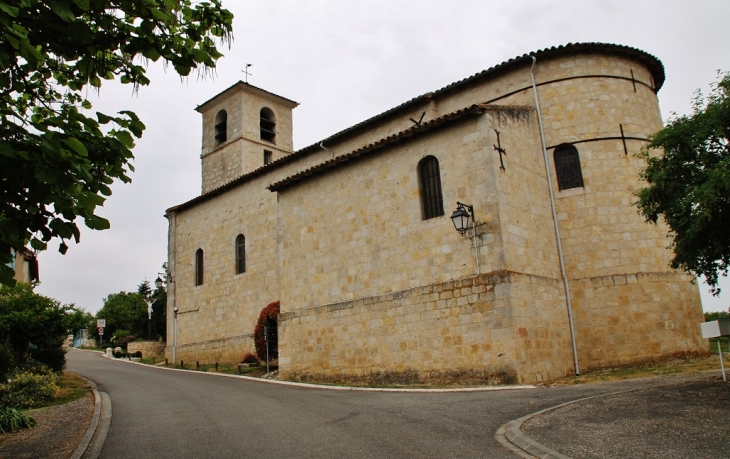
(716, 329)
(100, 325)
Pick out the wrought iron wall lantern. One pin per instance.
(461, 217)
(159, 283)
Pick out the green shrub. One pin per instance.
(7, 360)
(27, 389)
(54, 358)
(11, 420)
(120, 354)
(137, 354)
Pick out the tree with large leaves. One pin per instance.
(57, 157)
(689, 184)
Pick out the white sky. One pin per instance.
(345, 62)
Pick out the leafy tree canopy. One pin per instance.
(76, 319)
(27, 317)
(689, 184)
(718, 315)
(57, 159)
(124, 313)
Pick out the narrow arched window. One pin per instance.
(567, 167)
(429, 176)
(268, 125)
(199, 268)
(221, 127)
(240, 254)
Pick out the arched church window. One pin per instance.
(567, 167)
(199, 268)
(429, 177)
(268, 125)
(221, 127)
(240, 254)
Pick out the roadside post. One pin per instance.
(716, 329)
(100, 325)
(266, 339)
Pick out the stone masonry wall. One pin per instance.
(359, 230)
(227, 304)
(147, 348)
(636, 318)
(465, 328)
(229, 349)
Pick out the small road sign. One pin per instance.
(101, 323)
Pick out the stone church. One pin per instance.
(552, 270)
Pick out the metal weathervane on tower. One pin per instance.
(245, 71)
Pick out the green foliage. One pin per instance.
(124, 340)
(7, 360)
(27, 317)
(53, 357)
(125, 314)
(267, 319)
(720, 315)
(29, 388)
(12, 420)
(58, 159)
(76, 319)
(689, 185)
(159, 314)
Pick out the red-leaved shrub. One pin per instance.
(267, 319)
(250, 357)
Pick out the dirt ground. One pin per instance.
(58, 432)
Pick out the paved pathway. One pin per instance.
(160, 413)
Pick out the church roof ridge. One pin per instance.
(653, 63)
(240, 84)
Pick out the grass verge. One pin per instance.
(72, 388)
(669, 368)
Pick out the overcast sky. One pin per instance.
(345, 62)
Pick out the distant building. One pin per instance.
(353, 234)
(25, 264)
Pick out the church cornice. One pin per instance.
(414, 131)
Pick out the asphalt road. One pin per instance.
(159, 413)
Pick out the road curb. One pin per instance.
(318, 386)
(510, 435)
(91, 430)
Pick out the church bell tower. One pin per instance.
(244, 128)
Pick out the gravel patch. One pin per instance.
(687, 419)
(57, 434)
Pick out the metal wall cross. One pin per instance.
(501, 151)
